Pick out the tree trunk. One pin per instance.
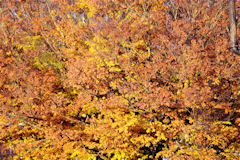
(233, 27)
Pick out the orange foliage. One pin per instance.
(94, 79)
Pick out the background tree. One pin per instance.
(233, 27)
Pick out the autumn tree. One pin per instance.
(94, 79)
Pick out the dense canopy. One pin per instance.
(118, 79)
